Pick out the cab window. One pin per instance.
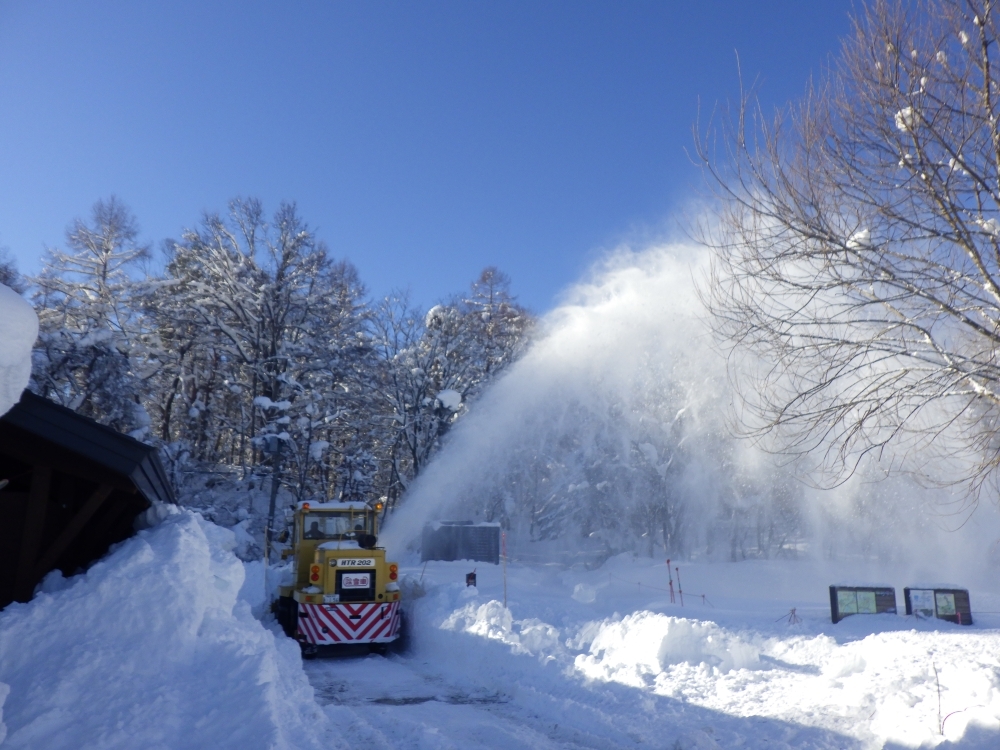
(334, 525)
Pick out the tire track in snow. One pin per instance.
(393, 703)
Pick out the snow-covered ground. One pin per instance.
(602, 659)
(158, 646)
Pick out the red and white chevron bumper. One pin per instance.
(364, 622)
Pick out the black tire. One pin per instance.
(287, 614)
(402, 643)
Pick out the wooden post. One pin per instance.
(34, 525)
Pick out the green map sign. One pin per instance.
(861, 600)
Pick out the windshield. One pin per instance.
(336, 525)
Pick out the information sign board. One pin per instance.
(861, 600)
(920, 602)
(948, 604)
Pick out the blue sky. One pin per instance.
(423, 140)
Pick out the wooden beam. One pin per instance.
(97, 534)
(73, 528)
(34, 525)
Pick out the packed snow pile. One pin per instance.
(18, 331)
(887, 677)
(153, 648)
(492, 620)
(646, 644)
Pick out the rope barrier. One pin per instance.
(640, 584)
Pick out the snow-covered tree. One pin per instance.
(89, 342)
(434, 364)
(261, 334)
(9, 275)
(496, 326)
(252, 331)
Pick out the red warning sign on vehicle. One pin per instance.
(355, 581)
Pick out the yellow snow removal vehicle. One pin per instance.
(344, 591)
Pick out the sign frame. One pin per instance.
(939, 603)
(846, 601)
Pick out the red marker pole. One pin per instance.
(671, 577)
(680, 589)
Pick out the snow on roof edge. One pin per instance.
(864, 586)
(955, 586)
(339, 545)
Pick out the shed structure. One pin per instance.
(461, 540)
(73, 488)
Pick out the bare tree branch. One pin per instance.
(857, 268)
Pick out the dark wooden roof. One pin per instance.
(74, 488)
(66, 431)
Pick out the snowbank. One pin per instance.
(18, 331)
(645, 644)
(593, 658)
(153, 648)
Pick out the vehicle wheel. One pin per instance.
(309, 650)
(402, 643)
(378, 648)
(287, 614)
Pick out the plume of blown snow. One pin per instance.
(619, 413)
(637, 316)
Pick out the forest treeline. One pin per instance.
(249, 329)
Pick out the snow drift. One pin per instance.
(631, 669)
(645, 643)
(152, 647)
(18, 331)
